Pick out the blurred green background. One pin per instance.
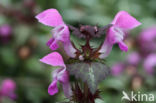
(21, 51)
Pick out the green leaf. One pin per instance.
(91, 73)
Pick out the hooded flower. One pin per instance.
(59, 75)
(116, 33)
(7, 89)
(52, 17)
(150, 63)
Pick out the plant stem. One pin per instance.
(82, 94)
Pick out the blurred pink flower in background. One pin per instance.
(59, 75)
(117, 69)
(150, 63)
(147, 40)
(133, 58)
(7, 89)
(132, 61)
(5, 30)
(5, 33)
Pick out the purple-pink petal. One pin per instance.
(125, 20)
(53, 59)
(105, 49)
(123, 46)
(53, 44)
(50, 17)
(52, 89)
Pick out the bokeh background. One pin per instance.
(22, 44)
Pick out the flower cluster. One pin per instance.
(132, 62)
(146, 54)
(114, 33)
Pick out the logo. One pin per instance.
(137, 96)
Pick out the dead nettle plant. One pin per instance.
(87, 62)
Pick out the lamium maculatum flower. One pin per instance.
(60, 33)
(59, 75)
(116, 34)
(7, 89)
(150, 63)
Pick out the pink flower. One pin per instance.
(116, 34)
(59, 75)
(5, 30)
(150, 63)
(133, 58)
(7, 89)
(117, 69)
(52, 17)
